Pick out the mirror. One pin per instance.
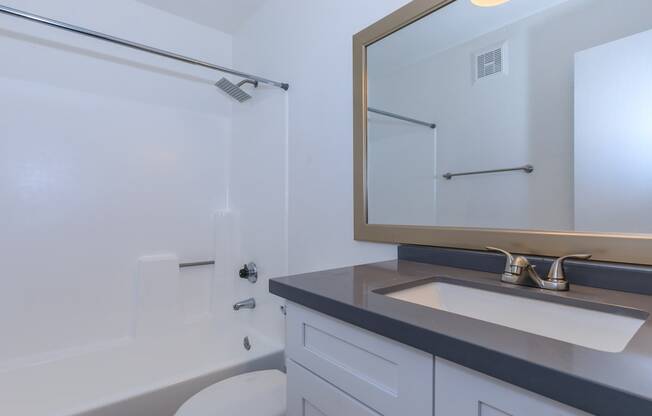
(532, 115)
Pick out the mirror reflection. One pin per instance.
(532, 115)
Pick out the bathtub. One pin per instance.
(149, 376)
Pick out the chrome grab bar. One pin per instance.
(196, 264)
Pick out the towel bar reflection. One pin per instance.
(196, 264)
(400, 117)
(526, 169)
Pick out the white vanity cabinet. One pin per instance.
(337, 369)
(310, 395)
(328, 358)
(460, 391)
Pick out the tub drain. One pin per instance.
(246, 343)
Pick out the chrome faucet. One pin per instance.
(245, 304)
(519, 271)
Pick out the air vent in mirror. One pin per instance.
(491, 62)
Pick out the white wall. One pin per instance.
(258, 193)
(308, 44)
(106, 155)
(401, 162)
(480, 125)
(613, 136)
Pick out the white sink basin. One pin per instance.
(589, 328)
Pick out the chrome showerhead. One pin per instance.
(234, 90)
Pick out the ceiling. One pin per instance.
(224, 15)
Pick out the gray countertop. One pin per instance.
(598, 382)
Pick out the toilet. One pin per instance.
(259, 393)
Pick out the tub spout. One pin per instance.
(246, 304)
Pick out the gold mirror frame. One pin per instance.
(615, 247)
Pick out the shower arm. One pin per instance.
(248, 81)
(160, 52)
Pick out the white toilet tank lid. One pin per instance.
(260, 393)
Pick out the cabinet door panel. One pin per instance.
(309, 395)
(460, 391)
(381, 373)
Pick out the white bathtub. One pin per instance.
(144, 377)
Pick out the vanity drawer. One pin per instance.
(385, 375)
(460, 391)
(309, 395)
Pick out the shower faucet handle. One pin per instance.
(250, 272)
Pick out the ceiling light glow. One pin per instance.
(488, 3)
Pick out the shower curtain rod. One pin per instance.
(97, 35)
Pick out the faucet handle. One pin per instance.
(250, 272)
(557, 269)
(509, 257)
